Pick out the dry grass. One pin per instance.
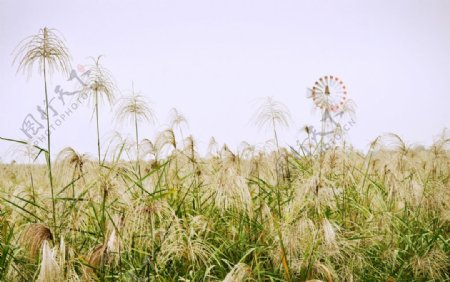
(228, 217)
(156, 210)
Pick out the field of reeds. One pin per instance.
(156, 209)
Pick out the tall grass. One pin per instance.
(157, 210)
(99, 86)
(136, 109)
(50, 53)
(378, 216)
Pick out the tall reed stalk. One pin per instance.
(135, 109)
(98, 86)
(50, 53)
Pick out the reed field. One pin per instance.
(154, 209)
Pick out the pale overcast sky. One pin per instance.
(213, 59)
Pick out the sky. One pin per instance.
(215, 60)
